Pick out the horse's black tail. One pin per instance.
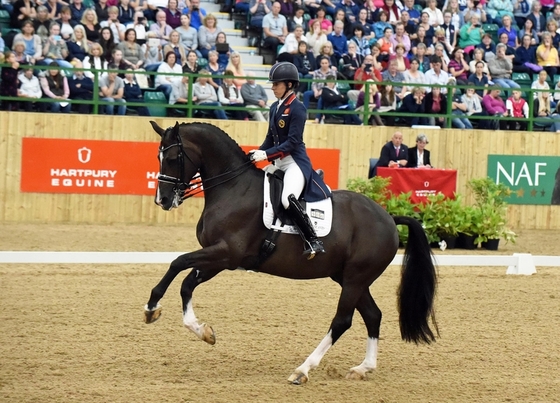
(418, 286)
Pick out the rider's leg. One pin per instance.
(294, 183)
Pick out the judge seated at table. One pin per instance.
(394, 154)
(419, 157)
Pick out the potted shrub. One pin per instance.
(374, 188)
(490, 223)
(442, 218)
(472, 218)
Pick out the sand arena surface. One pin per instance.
(74, 333)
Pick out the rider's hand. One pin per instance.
(257, 155)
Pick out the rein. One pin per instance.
(186, 190)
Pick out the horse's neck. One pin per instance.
(232, 185)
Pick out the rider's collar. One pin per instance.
(290, 96)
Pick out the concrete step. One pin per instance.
(226, 24)
(251, 59)
(237, 42)
(221, 16)
(232, 32)
(210, 7)
(261, 70)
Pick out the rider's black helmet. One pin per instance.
(284, 71)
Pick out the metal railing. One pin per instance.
(189, 109)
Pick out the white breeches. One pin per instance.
(294, 181)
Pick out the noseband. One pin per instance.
(184, 190)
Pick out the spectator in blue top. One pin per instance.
(510, 31)
(338, 40)
(412, 12)
(380, 26)
(197, 14)
(525, 60)
(479, 79)
(77, 10)
(487, 45)
(351, 10)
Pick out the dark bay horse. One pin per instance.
(362, 243)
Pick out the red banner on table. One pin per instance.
(421, 182)
(113, 167)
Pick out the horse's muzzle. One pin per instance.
(165, 203)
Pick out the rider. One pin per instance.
(285, 147)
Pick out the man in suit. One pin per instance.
(419, 157)
(394, 154)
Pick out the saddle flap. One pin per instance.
(319, 212)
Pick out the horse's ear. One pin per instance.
(175, 130)
(156, 127)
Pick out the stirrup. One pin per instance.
(315, 246)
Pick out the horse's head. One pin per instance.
(176, 168)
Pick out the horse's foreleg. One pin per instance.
(341, 322)
(212, 256)
(196, 277)
(372, 318)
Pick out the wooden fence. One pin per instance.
(463, 150)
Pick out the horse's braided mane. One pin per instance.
(220, 131)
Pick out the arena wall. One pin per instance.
(463, 150)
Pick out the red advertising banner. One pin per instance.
(113, 167)
(421, 182)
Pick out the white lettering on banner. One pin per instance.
(83, 173)
(152, 184)
(151, 175)
(84, 183)
(523, 173)
(425, 193)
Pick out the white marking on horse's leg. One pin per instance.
(191, 322)
(317, 355)
(370, 362)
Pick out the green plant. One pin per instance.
(442, 216)
(489, 215)
(471, 220)
(486, 191)
(401, 205)
(492, 224)
(374, 188)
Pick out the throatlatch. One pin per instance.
(305, 228)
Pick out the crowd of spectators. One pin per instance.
(411, 44)
(416, 44)
(173, 39)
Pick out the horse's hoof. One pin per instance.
(298, 378)
(356, 376)
(208, 335)
(150, 316)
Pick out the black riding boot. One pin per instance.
(305, 228)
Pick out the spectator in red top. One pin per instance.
(458, 67)
(366, 72)
(517, 107)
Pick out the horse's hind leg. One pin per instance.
(341, 322)
(195, 278)
(372, 318)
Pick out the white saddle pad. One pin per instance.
(319, 212)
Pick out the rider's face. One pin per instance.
(279, 89)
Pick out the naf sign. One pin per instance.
(532, 179)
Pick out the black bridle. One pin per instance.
(185, 190)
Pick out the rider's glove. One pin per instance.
(257, 155)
